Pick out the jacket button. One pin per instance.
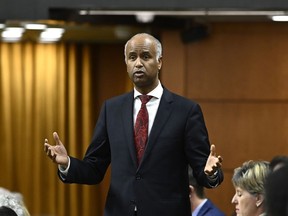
(138, 177)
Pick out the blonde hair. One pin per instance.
(251, 176)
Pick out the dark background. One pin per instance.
(39, 9)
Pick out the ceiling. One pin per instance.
(40, 9)
(117, 20)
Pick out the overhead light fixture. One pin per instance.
(83, 12)
(137, 12)
(283, 18)
(33, 26)
(12, 34)
(51, 35)
(183, 12)
(145, 16)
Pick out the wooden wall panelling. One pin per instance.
(244, 131)
(173, 73)
(238, 75)
(239, 61)
(111, 79)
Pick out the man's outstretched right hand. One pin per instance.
(57, 153)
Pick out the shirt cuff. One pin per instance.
(214, 176)
(63, 171)
(213, 179)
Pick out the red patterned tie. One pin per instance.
(141, 127)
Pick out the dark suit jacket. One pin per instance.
(159, 185)
(209, 209)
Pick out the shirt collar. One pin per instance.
(197, 209)
(156, 93)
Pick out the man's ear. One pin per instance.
(159, 63)
(191, 190)
(259, 199)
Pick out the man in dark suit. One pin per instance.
(156, 182)
(200, 204)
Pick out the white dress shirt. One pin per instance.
(152, 105)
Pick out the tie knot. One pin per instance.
(145, 98)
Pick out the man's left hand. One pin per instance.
(213, 163)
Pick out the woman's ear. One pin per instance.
(259, 199)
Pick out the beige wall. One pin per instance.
(238, 75)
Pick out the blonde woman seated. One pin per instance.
(248, 181)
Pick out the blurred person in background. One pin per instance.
(278, 161)
(276, 191)
(200, 204)
(14, 201)
(7, 211)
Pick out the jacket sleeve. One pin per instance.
(197, 147)
(92, 169)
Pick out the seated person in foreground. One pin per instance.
(248, 181)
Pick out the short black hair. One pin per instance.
(276, 187)
(278, 160)
(198, 188)
(6, 211)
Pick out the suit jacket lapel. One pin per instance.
(127, 118)
(204, 209)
